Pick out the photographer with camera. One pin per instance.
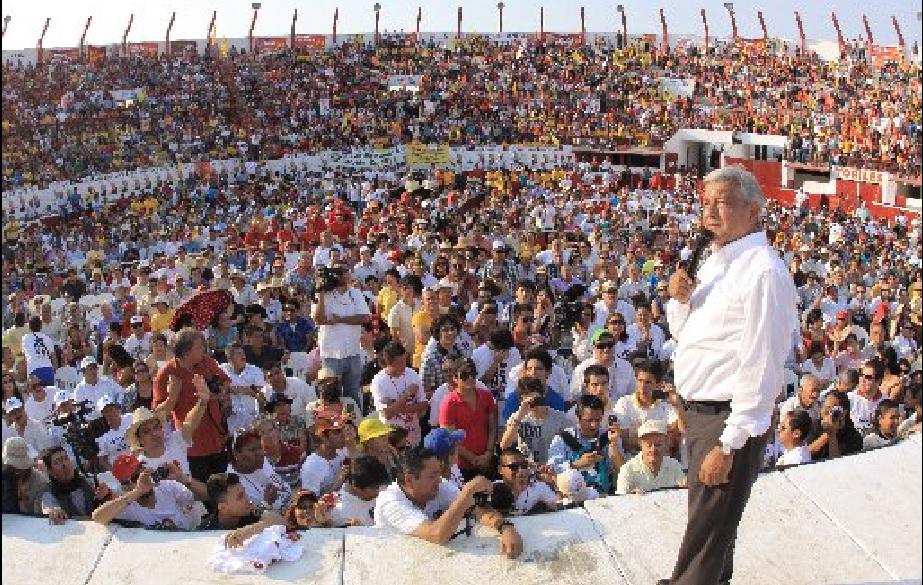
(175, 391)
(835, 434)
(423, 504)
(340, 312)
(597, 456)
(158, 503)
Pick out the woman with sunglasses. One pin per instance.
(141, 391)
(471, 407)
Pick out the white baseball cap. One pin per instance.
(87, 362)
(11, 404)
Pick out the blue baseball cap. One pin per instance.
(440, 441)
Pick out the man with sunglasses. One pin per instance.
(528, 493)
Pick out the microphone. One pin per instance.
(702, 239)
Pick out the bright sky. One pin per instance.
(315, 16)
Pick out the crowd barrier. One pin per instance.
(852, 521)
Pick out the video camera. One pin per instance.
(79, 433)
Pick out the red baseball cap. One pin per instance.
(880, 313)
(125, 466)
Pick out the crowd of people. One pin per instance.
(71, 120)
(250, 348)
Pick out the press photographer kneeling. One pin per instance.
(423, 504)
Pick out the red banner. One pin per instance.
(183, 47)
(881, 54)
(147, 49)
(270, 43)
(311, 42)
(96, 55)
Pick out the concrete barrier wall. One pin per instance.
(852, 521)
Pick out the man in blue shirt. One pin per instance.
(294, 331)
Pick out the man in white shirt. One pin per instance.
(295, 389)
(246, 382)
(112, 443)
(643, 405)
(398, 392)
(794, 429)
(40, 402)
(16, 423)
(340, 314)
(38, 350)
(733, 319)
(806, 398)
(355, 502)
(93, 386)
(138, 344)
(322, 471)
(864, 400)
(645, 334)
(611, 303)
(621, 374)
(423, 504)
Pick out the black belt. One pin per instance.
(708, 406)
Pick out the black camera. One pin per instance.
(327, 279)
(214, 385)
(659, 395)
(836, 413)
(537, 400)
(160, 474)
(481, 499)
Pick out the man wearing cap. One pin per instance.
(243, 292)
(322, 470)
(112, 443)
(445, 443)
(650, 469)
(734, 322)
(39, 400)
(374, 440)
(23, 486)
(93, 386)
(610, 304)
(501, 270)
(621, 374)
(138, 344)
(16, 423)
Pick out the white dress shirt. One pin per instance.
(734, 334)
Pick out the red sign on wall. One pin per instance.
(146, 49)
(270, 43)
(311, 42)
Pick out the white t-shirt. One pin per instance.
(621, 378)
(138, 348)
(255, 485)
(176, 449)
(245, 407)
(861, 409)
(113, 443)
(535, 492)
(318, 474)
(795, 456)
(395, 510)
(435, 403)
(104, 385)
(298, 391)
(37, 348)
(40, 411)
(174, 506)
(341, 340)
(631, 414)
(386, 389)
(350, 508)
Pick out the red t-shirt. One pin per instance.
(209, 438)
(455, 412)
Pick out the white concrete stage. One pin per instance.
(852, 521)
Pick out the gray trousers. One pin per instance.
(706, 556)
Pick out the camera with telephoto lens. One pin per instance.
(79, 433)
(327, 279)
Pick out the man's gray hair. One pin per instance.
(748, 189)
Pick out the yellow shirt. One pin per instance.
(387, 298)
(12, 338)
(161, 321)
(424, 320)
